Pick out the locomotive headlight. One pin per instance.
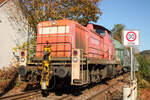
(22, 59)
(75, 59)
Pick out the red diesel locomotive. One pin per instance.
(69, 53)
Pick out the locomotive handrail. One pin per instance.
(98, 49)
(57, 43)
(58, 51)
(96, 53)
(47, 35)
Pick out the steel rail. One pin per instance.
(22, 96)
(101, 92)
(65, 97)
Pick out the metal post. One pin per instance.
(28, 42)
(106, 95)
(133, 63)
(131, 49)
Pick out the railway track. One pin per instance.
(65, 97)
(92, 97)
(106, 90)
(102, 91)
(22, 96)
(99, 90)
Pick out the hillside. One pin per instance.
(146, 54)
(143, 76)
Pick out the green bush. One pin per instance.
(143, 75)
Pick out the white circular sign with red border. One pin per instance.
(131, 37)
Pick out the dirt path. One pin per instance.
(145, 93)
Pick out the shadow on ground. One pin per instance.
(78, 90)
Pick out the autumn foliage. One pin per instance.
(117, 32)
(83, 11)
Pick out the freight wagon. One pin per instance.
(122, 55)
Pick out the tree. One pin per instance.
(117, 31)
(83, 11)
(143, 75)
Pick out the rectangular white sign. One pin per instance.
(131, 37)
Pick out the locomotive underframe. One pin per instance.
(91, 70)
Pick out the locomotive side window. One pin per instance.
(100, 31)
(110, 35)
(54, 29)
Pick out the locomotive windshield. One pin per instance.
(110, 35)
(100, 31)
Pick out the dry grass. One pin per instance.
(6, 76)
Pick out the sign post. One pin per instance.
(132, 71)
(131, 39)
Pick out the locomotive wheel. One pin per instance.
(44, 93)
